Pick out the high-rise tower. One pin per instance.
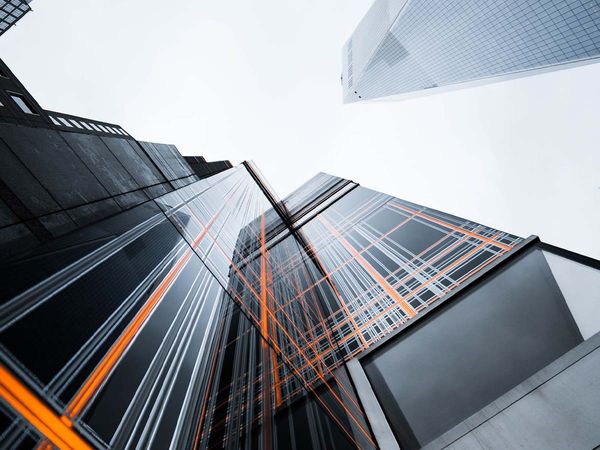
(404, 47)
(149, 300)
(11, 11)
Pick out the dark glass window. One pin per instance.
(473, 351)
(23, 103)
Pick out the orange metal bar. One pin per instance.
(264, 327)
(264, 320)
(93, 383)
(284, 331)
(37, 413)
(431, 280)
(453, 227)
(100, 374)
(409, 310)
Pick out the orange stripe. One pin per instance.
(284, 331)
(409, 310)
(264, 326)
(431, 280)
(407, 276)
(37, 413)
(93, 383)
(99, 375)
(276, 383)
(454, 227)
(264, 320)
(290, 364)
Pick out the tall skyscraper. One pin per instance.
(144, 307)
(404, 47)
(11, 11)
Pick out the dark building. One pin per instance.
(145, 304)
(403, 47)
(204, 169)
(61, 172)
(11, 11)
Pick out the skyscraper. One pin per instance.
(11, 11)
(404, 47)
(144, 306)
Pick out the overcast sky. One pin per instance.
(259, 79)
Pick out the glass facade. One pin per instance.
(148, 302)
(203, 319)
(11, 11)
(442, 372)
(404, 46)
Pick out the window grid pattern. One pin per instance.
(434, 43)
(390, 260)
(207, 322)
(183, 347)
(11, 11)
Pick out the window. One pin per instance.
(65, 122)
(487, 341)
(23, 103)
(74, 122)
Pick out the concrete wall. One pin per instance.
(559, 408)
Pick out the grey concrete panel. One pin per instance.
(16, 239)
(563, 413)
(157, 156)
(158, 190)
(168, 158)
(131, 199)
(184, 168)
(93, 212)
(580, 285)
(134, 160)
(447, 368)
(58, 223)
(379, 424)
(24, 185)
(54, 164)
(100, 160)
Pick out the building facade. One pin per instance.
(144, 305)
(412, 47)
(11, 11)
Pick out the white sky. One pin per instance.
(258, 79)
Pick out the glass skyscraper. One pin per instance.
(11, 11)
(153, 301)
(412, 46)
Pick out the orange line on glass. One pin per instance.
(93, 383)
(37, 413)
(284, 331)
(339, 297)
(290, 364)
(280, 326)
(264, 320)
(99, 375)
(381, 281)
(454, 227)
(409, 275)
(431, 280)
